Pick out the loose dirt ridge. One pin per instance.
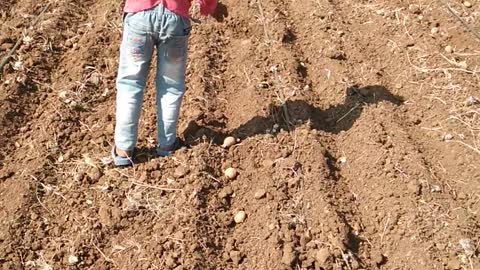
(359, 141)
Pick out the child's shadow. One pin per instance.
(335, 119)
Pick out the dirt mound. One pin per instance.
(357, 126)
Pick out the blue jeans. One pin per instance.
(143, 32)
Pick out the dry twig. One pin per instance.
(156, 187)
(103, 255)
(265, 29)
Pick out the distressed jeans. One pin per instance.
(143, 32)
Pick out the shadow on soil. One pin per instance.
(333, 120)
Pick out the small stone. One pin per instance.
(337, 55)
(322, 256)
(5, 175)
(178, 235)
(73, 260)
(88, 160)
(441, 246)
(268, 163)
(95, 79)
(226, 192)
(454, 264)
(181, 171)
(95, 174)
(218, 115)
(414, 187)
(289, 255)
(468, 247)
(240, 217)
(6, 46)
(448, 137)
(449, 49)
(236, 256)
(196, 114)
(143, 177)
(435, 188)
(105, 215)
(342, 160)
(434, 30)
(462, 196)
(463, 64)
(377, 257)
(472, 101)
(305, 239)
(222, 194)
(260, 194)
(79, 176)
(467, 4)
(246, 42)
(354, 264)
(36, 246)
(68, 43)
(171, 262)
(106, 188)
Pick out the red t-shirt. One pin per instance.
(180, 7)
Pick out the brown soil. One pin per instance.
(359, 141)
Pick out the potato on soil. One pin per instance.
(228, 142)
(231, 173)
(240, 217)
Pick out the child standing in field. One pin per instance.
(150, 24)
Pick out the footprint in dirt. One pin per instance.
(335, 119)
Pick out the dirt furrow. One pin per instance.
(23, 91)
(334, 21)
(418, 180)
(349, 118)
(281, 73)
(38, 180)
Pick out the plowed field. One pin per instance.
(358, 126)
